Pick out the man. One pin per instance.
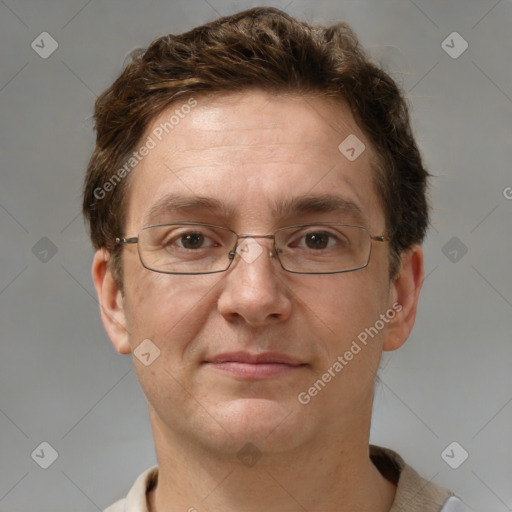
(257, 202)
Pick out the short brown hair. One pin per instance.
(261, 48)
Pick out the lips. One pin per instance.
(246, 357)
(255, 366)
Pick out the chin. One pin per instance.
(268, 424)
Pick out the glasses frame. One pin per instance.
(232, 253)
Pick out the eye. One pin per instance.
(188, 240)
(192, 240)
(316, 240)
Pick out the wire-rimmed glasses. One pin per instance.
(197, 248)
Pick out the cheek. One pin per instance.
(343, 306)
(168, 309)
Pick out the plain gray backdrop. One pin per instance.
(61, 381)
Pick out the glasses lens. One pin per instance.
(186, 248)
(191, 248)
(323, 248)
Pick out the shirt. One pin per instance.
(413, 493)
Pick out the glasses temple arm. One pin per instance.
(132, 240)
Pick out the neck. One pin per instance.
(334, 474)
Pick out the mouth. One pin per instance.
(254, 366)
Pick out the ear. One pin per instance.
(404, 296)
(111, 302)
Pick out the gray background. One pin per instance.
(60, 379)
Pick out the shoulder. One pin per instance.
(454, 504)
(136, 499)
(413, 493)
(118, 506)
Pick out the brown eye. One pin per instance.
(317, 240)
(192, 240)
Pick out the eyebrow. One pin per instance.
(323, 203)
(306, 204)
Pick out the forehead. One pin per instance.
(254, 157)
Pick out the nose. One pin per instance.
(254, 291)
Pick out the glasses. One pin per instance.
(193, 248)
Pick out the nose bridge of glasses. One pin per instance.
(245, 236)
(255, 236)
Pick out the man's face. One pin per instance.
(252, 152)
